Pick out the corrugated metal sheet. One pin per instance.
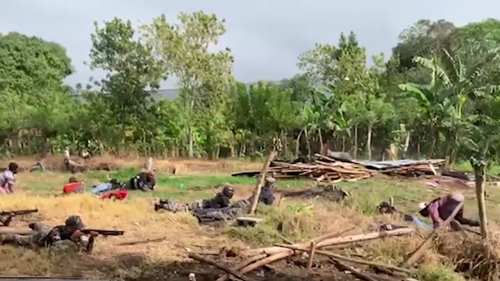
(379, 165)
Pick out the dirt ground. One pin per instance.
(180, 233)
(174, 166)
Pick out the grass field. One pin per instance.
(181, 233)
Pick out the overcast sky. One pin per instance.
(266, 37)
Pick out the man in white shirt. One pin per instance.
(7, 179)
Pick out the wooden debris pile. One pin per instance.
(255, 259)
(324, 168)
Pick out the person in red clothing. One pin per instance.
(441, 208)
(73, 186)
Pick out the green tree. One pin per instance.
(132, 70)
(204, 77)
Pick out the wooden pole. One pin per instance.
(420, 250)
(480, 174)
(260, 181)
(312, 248)
(219, 266)
(348, 259)
(149, 165)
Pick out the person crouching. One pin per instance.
(441, 208)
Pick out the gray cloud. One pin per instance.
(265, 37)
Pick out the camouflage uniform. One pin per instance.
(32, 240)
(229, 213)
(41, 237)
(175, 207)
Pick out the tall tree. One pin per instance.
(132, 69)
(205, 77)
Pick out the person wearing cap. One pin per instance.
(63, 237)
(7, 179)
(386, 208)
(441, 208)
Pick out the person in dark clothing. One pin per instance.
(67, 236)
(221, 200)
(386, 208)
(266, 194)
(144, 181)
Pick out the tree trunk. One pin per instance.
(308, 143)
(355, 152)
(297, 144)
(433, 143)
(480, 173)
(190, 142)
(369, 142)
(407, 144)
(321, 144)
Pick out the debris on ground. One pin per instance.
(254, 264)
(328, 192)
(335, 169)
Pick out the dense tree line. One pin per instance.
(437, 95)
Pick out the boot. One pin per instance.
(158, 207)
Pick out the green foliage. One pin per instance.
(435, 96)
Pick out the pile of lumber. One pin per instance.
(324, 168)
(332, 171)
(255, 259)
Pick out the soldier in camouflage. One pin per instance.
(7, 220)
(239, 208)
(65, 238)
(221, 200)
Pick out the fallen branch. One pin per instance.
(415, 256)
(242, 265)
(347, 259)
(355, 272)
(334, 241)
(219, 266)
(265, 261)
(333, 235)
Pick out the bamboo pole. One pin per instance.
(260, 182)
(348, 259)
(221, 267)
(242, 265)
(334, 241)
(312, 249)
(415, 256)
(480, 174)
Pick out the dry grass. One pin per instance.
(136, 217)
(295, 220)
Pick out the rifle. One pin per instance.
(18, 212)
(103, 232)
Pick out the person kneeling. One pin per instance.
(441, 208)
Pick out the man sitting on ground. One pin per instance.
(441, 208)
